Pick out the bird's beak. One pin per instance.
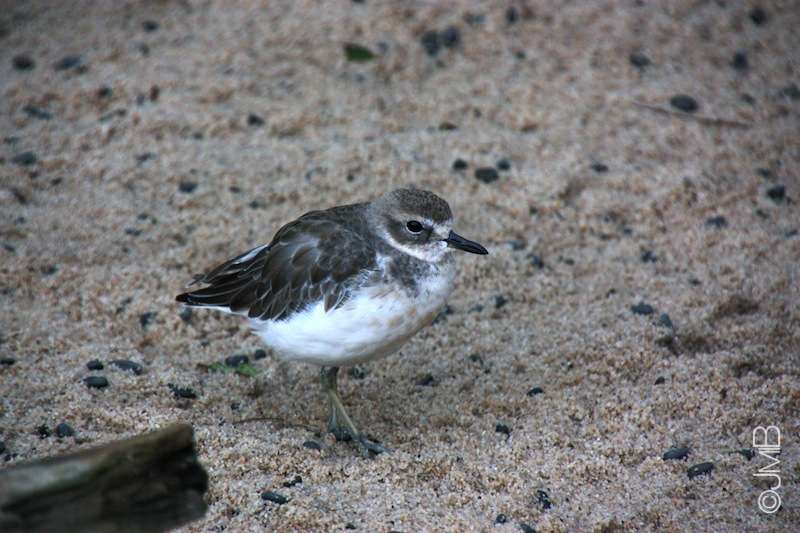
(455, 240)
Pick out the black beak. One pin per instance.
(455, 240)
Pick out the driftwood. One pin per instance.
(147, 483)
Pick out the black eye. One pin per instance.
(414, 226)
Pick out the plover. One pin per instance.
(343, 286)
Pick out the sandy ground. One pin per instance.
(180, 133)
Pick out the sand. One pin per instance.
(182, 133)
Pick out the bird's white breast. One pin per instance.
(374, 322)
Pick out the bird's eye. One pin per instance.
(414, 226)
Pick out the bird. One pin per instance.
(343, 286)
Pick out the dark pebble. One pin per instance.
(503, 164)
(758, 16)
(254, 120)
(23, 62)
(517, 244)
(236, 360)
(791, 91)
(182, 392)
(535, 390)
(543, 499)
(747, 453)
(525, 528)
(648, 256)
(292, 482)
(312, 445)
(536, 260)
(447, 126)
(146, 318)
(500, 301)
(459, 164)
(502, 428)
(675, 453)
(500, 519)
(486, 174)
(259, 354)
(144, 157)
(450, 37)
(642, 309)
(700, 469)
(96, 382)
(684, 103)
(64, 430)
(718, 222)
(777, 193)
(187, 187)
(356, 372)
(665, 321)
(25, 159)
(639, 60)
(350, 526)
(94, 364)
(274, 497)
(125, 364)
(739, 61)
(186, 315)
(149, 25)
(512, 15)
(133, 232)
(105, 92)
(43, 431)
(426, 380)
(430, 42)
(659, 380)
(37, 112)
(600, 168)
(2, 447)
(7, 361)
(67, 62)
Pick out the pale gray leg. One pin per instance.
(339, 422)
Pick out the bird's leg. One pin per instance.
(339, 422)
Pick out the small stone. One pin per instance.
(512, 15)
(64, 430)
(182, 392)
(292, 482)
(67, 62)
(459, 164)
(186, 315)
(96, 382)
(525, 528)
(25, 159)
(2, 447)
(639, 60)
(43, 431)
(535, 390)
(125, 365)
(187, 187)
(312, 445)
(600, 168)
(254, 120)
(259, 354)
(155, 91)
(430, 42)
(37, 112)
(517, 244)
(675, 453)
(426, 380)
(236, 360)
(500, 519)
(503, 164)
(739, 61)
(350, 526)
(447, 126)
(777, 193)
(23, 62)
(105, 92)
(274, 497)
(718, 222)
(500, 301)
(486, 174)
(94, 364)
(150, 26)
(758, 16)
(791, 91)
(146, 318)
(700, 469)
(543, 499)
(659, 380)
(450, 37)
(642, 309)
(747, 453)
(356, 372)
(648, 256)
(7, 361)
(665, 321)
(683, 102)
(536, 260)
(502, 428)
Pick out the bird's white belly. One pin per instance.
(373, 323)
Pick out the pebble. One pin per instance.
(23, 62)
(447, 126)
(525, 528)
(459, 164)
(2, 447)
(536, 260)
(535, 390)
(37, 112)
(503, 164)
(94, 364)
(274, 497)
(642, 309)
(43, 431)
(699, 470)
(500, 519)
(659, 380)
(739, 61)
(125, 364)
(648, 256)
(486, 174)
(450, 37)
(236, 360)
(150, 26)
(684, 103)
(96, 382)
(758, 16)
(146, 318)
(64, 430)
(512, 15)
(517, 244)
(67, 62)
(777, 193)
(639, 60)
(718, 222)
(791, 91)
(356, 372)
(187, 187)
(259, 354)
(500, 301)
(426, 380)
(430, 42)
(600, 168)
(675, 453)
(24, 159)
(186, 315)
(105, 92)
(182, 392)
(312, 445)
(665, 321)
(7, 361)
(292, 482)
(543, 499)
(502, 428)
(254, 120)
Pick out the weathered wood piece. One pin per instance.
(147, 483)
